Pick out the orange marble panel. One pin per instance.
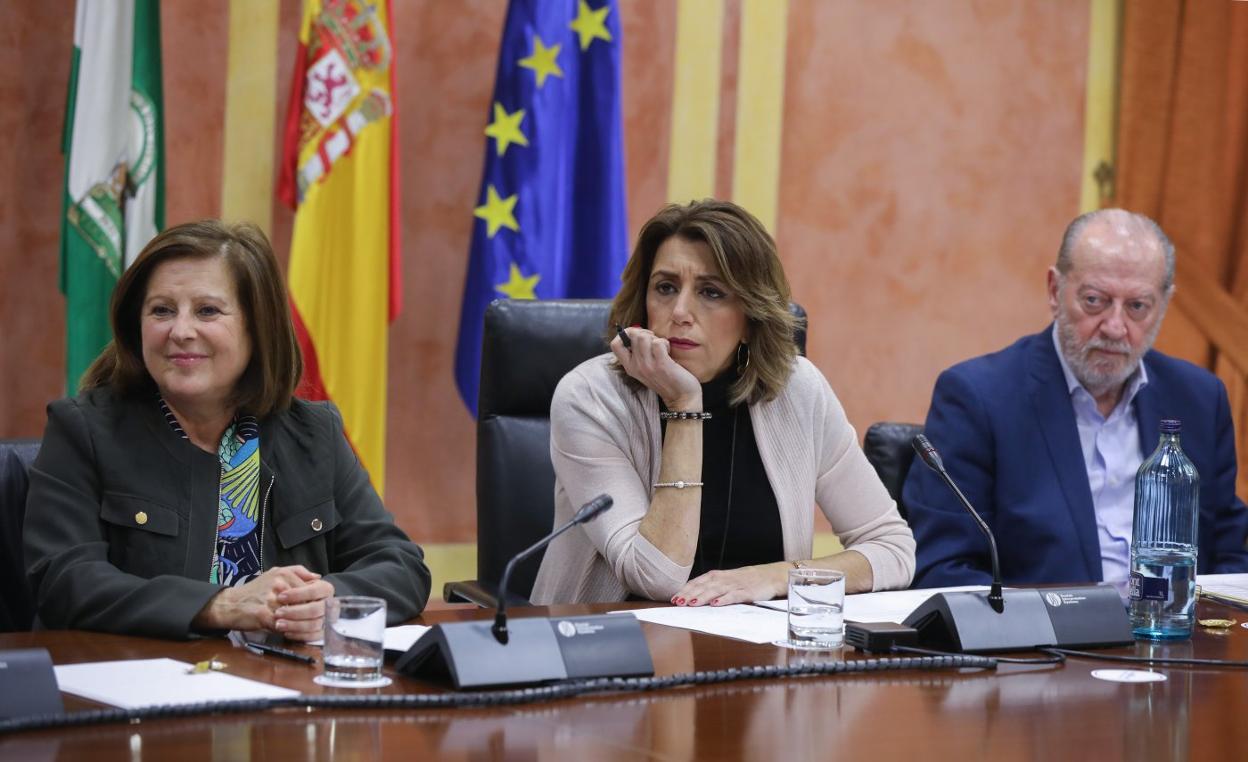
(35, 54)
(194, 47)
(930, 162)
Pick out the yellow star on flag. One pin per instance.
(590, 25)
(505, 129)
(497, 212)
(543, 61)
(518, 286)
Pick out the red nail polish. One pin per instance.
(715, 602)
(635, 325)
(680, 601)
(693, 602)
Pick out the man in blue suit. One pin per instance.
(1046, 435)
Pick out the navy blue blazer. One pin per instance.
(1005, 427)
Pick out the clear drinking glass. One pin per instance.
(355, 632)
(816, 608)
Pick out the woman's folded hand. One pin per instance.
(289, 600)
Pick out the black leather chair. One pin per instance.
(17, 606)
(888, 448)
(526, 348)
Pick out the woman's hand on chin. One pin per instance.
(649, 361)
(744, 585)
(289, 600)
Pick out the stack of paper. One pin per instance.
(1225, 584)
(741, 621)
(891, 606)
(138, 683)
(767, 621)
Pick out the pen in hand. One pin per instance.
(627, 342)
(281, 652)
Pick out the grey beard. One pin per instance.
(1096, 380)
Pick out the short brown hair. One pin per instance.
(268, 382)
(745, 255)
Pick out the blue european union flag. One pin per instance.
(550, 221)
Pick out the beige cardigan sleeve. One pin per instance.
(851, 496)
(599, 443)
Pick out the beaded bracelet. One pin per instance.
(681, 415)
(677, 485)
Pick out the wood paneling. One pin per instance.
(1012, 712)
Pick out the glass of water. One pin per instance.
(355, 632)
(816, 608)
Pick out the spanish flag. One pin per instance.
(340, 174)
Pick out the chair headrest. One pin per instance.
(529, 345)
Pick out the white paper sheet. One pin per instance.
(158, 682)
(1227, 584)
(402, 637)
(891, 606)
(740, 621)
(399, 638)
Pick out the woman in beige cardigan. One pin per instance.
(712, 435)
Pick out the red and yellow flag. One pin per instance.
(339, 173)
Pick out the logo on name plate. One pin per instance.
(1053, 599)
(567, 629)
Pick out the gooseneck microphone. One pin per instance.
(932, 459)
(1080, 616)
(587, 512)
(532, 650)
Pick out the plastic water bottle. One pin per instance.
(1163, 541)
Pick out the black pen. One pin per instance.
(627, 342)
(281, 652)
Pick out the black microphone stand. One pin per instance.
(586, 513)
(474, 654)
(927, 453)
(1087, 615)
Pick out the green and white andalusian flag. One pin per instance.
(114, 163)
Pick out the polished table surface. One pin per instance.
(1014, 712)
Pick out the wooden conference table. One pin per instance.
(1016, 712)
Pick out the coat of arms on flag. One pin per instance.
(339, 173)
(347, 45)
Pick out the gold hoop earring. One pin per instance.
(742, 364)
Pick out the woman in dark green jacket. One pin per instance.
(186, 490)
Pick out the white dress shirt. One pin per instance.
(1111, 455)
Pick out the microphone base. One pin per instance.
(28, 684)
(466, 655)
(1087, 616)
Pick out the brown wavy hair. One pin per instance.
(745, 255)
(269, 380)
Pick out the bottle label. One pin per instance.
(1149, 588)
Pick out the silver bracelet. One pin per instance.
(677, 485)
(681, 415)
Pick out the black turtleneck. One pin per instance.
(747, 532)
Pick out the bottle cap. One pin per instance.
(1171, 426)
